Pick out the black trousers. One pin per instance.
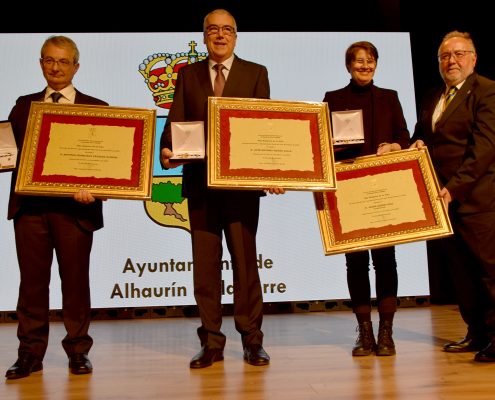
(471, 255)
(386, 281)
(235, 214)
(38, 235)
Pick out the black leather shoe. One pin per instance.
(79, 364)
(25, 364)
(206, 357)
(486, 355)
(254, 354)
(465, 345)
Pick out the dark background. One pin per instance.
(426, 21)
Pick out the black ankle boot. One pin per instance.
(365, 343)
(386, 345)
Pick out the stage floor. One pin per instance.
(310, 359)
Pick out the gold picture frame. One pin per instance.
(108, 151)
(259, 144)
(382, 201)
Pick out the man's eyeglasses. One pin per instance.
(214, 29)
(457, 54)
(50, 62)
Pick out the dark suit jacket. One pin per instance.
(387, 119)
(246, 79)
(462, 147)
(89, 216)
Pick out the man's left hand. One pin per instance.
(84, 196)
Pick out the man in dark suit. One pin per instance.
(211, 212)
(457, 123)
(45, 224)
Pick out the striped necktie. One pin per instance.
(449, 96)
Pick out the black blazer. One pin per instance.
(462, 147)
(246, 79)
(387, 119)
(89, 216)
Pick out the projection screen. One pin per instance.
(142, 256)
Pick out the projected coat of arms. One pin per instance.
(167, 207)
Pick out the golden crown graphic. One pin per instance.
(160, 73)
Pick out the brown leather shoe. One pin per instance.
(486, 355)
(79, 364)
(465, 345)
(206, 357)
(25, 364)
(386, 345)
(365, 342)
(254, 354)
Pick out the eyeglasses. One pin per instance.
(227, 30)
(50, 62)
(457, 54)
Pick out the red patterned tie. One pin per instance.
(219, 80)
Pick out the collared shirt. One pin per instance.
(227, 64)
(68, 93)
(439, 109)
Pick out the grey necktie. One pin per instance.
(219, 80)
(56, 96)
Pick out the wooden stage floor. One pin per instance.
(310, 359)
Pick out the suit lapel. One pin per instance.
(235, 76)
(204, 78)
(459, 98)
(429, 110)
(377, 98)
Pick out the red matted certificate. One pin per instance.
(382, 201)
(106, 150)
(258, 143)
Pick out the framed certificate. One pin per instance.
(106, 150)
(382, 201)
(257, 144)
